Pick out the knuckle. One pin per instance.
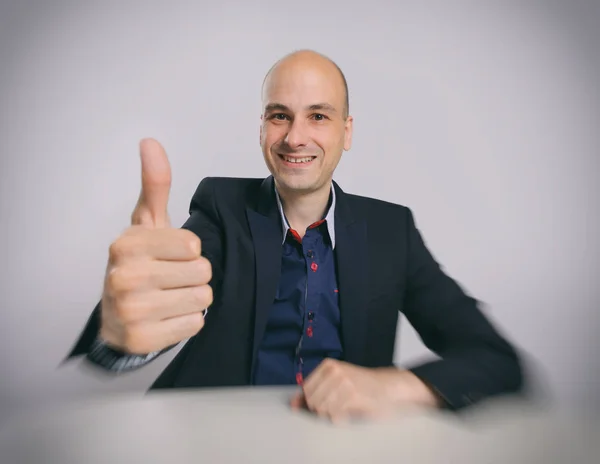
(331, 366)
(335, 370)
(193, 243)
(127, 309)
(116, 250)
(347, 385)
(124, 246)
(117, 280)
(189, 240)
(204, 296)
(204, 268)
(113, 281)
(122, 279)
(131, 242)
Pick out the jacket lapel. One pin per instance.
(265, 226)
(352, 260)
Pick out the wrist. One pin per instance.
(403, 387)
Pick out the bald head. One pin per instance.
(305, 116)
(309, 61)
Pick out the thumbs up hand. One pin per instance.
(156, 284)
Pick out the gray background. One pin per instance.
(483, 117)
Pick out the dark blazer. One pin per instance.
(383, 267)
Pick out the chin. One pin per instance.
(296, 183)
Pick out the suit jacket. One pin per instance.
(384, 267)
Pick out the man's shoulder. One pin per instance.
(384, 218)
(375, 207)
(228, 183)
(227, 188)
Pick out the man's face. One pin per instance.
(304, 129)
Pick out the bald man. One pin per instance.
(290, 280)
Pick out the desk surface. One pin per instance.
(257, 425)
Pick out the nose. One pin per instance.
(297, 136)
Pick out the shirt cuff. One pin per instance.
(101, 354)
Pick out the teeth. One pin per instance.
(297, 160)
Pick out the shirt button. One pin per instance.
(314, 267)
(310, 254)
(299, 378)
(311, 315)
(309, 332)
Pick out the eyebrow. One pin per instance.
(315, 107)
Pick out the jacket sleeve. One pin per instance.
(476, 361)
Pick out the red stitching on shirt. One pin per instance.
(316, 224)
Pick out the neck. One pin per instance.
(303, 209)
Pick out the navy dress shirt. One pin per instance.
(304, 323)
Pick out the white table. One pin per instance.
(250, 425)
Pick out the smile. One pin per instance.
(296, 160)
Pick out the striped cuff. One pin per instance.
(110, 359)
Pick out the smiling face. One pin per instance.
(305, 127)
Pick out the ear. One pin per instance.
(260, 131)
(348, 128)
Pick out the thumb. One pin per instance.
(151, 208)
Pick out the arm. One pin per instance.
(99, 353)
(477, 362)
(156, 281)
(202, 222)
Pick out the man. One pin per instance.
(291, 280)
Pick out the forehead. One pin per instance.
(296, 86)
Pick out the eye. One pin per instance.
(279, 116)
(319, 117)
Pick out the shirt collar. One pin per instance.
(329, 218)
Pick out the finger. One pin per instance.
(158, 305)
(318, 375)
(151, 209)
(319, 398)
(298, 401)
(160, 244)
(153, 275)
(339, 404)
(154, 336)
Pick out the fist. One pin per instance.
(156, 284)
